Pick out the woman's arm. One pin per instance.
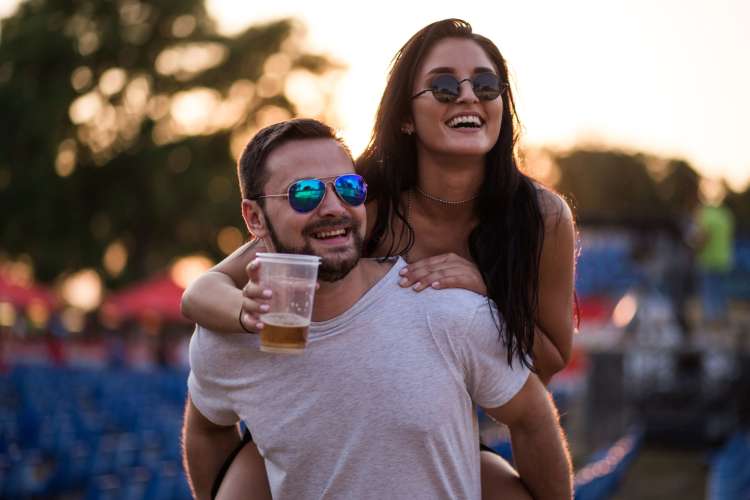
(554, 332)
(554, 337)
(214, 300)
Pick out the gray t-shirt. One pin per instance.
(380, 405)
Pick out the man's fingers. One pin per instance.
(250, 322)
(255, 292)
(254, 307)
(253, 270)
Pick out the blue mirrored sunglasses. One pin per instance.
(306, 194)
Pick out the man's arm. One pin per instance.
(205, 448)
(540, 449)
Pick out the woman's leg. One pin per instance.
(500, 480)
(246, 477)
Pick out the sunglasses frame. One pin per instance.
(325, 180)
(502, 87)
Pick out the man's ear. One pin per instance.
(255, 219)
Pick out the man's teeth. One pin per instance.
(330, 234)
(470, 120)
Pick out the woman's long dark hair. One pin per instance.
(506, 245)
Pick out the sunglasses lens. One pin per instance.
(486, 86)
(445, 88)
(352, 189)
(306, 194)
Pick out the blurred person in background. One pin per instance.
(714, 243)
(447, 194)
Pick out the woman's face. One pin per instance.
(468, 126)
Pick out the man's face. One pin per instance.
(334, 230)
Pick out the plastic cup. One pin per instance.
(292, 280)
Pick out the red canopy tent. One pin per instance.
(159, 296)
(595, 309)
(22, 296)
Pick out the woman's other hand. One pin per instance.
(443, 271)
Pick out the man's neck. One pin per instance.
(335, 298)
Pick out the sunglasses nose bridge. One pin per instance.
(331, 201)
(466, 92)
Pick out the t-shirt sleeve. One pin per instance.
(205, 386)
(490, 380)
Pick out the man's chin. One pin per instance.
(330, 274)
(335, 266)
(324, 251)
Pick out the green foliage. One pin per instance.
(616, 187)
(78, 173)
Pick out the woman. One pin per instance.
(447, 194)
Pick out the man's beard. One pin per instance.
(328, 271)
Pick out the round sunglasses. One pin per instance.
(305, 195)
(447, 88)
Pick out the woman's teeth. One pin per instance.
(464, 121)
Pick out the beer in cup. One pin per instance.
(292, 280)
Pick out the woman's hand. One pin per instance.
(443, 271)
(254, 300)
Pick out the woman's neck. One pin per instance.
(448, 184)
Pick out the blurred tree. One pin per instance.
(608, 185)
(617, 187)
(121, 122)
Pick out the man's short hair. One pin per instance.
(251, 170)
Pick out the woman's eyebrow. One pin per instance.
(441, 69)
(448, 69)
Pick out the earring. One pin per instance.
(407, 128)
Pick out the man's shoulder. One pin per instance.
(453, 303)
(459, 296)
(206, 344)
(448, 304)
(377, 268)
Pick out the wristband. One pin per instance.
(242, 325)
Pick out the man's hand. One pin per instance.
(540, 451)
(255, 300)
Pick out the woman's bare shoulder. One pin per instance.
(554, 207)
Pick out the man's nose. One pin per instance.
(331, 204)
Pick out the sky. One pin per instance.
(668, 77)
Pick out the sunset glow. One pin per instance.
(667, 78)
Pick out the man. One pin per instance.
(382, 402)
